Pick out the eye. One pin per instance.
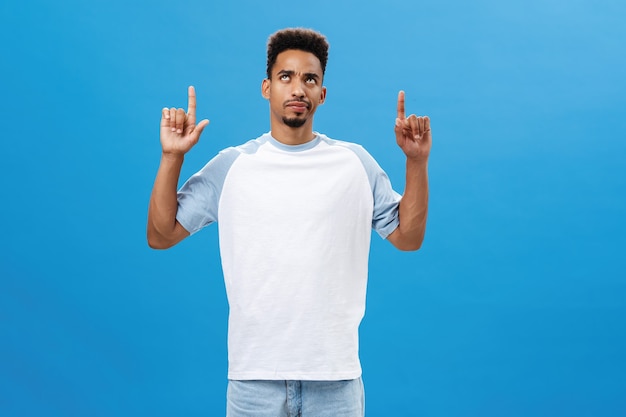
(311, 80)
(284, 77)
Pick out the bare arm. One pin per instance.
(179, 133)
(414, 137)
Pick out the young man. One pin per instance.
(295, 210)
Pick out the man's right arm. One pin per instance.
(179, 133)
(164, 230)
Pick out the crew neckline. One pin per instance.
(295, 148)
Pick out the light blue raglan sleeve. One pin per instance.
(198, 198)
(386, 201)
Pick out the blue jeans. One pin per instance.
(295, 398)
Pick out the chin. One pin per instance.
(294, 121)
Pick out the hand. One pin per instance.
(412, 133)
(179, 132)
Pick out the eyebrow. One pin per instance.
(292, 73)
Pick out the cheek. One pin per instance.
(277, 91)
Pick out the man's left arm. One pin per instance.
(414, 137)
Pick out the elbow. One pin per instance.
(154, 244)
(410, 246)
(164, 239)
(407, 243)
(157, 241)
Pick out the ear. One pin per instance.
(265, 88)
(323, 95)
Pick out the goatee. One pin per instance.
(294, 121)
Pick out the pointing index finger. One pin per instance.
(401, 113)
(191, 106)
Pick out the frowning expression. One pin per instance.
(295, 88)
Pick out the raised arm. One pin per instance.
(179, 133)
(414, 138)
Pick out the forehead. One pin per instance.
(298, 61)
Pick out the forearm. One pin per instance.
(162, 228)
(413, 209)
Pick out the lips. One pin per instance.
(298, 106)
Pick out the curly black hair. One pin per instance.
(296, 38)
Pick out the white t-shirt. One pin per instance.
(294, 230)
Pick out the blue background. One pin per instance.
(515, 305)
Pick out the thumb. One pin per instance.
(200, 126)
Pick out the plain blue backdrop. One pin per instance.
(515, 305)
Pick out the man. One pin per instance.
(295, 209)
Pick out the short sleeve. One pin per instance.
(386, 201)
(198, 198)
(386, 204)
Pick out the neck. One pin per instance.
(292, 135)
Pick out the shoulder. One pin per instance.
(358, 150)
(340, 143)
(226, 157)
(250, 146)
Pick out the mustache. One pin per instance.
(297, 101)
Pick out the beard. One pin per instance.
(294, 121)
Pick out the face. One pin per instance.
(295, 89)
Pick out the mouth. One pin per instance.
(298, 106)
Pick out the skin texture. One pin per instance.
(414, 137)
(294, 93)
(179, 133)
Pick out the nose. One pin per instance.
(298, 90)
